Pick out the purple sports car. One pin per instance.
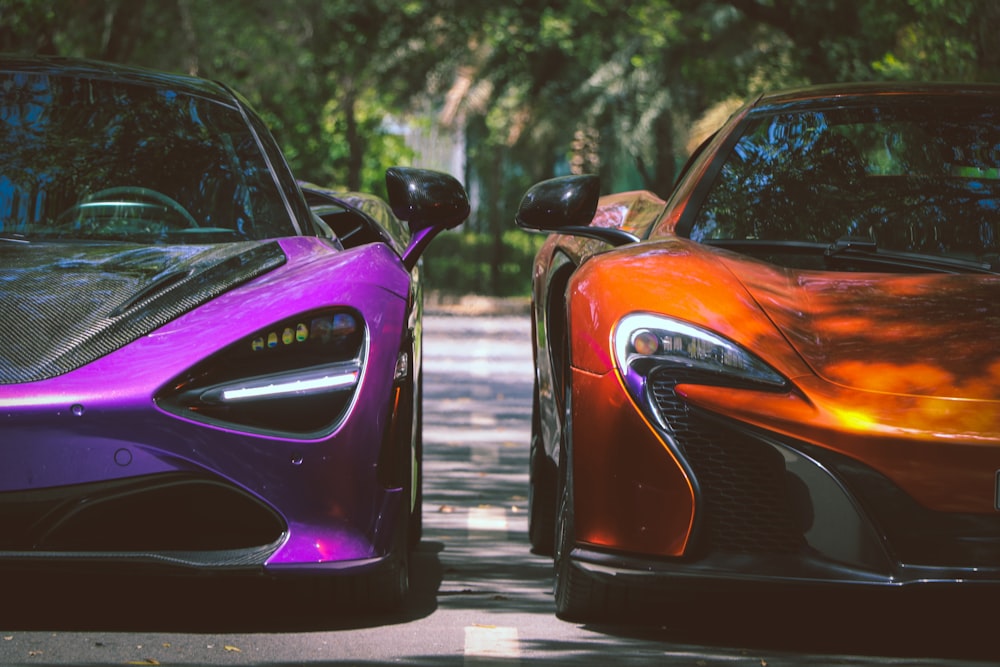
(204, 364)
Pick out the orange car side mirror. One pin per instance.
(566, 205)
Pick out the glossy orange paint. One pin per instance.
(631, 492)
(676, 277)
(944, 453)
(891, 333)
(618, 456)
(872, 359)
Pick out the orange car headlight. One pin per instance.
(644, 342)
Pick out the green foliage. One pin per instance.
(461, 263)
(539, 87)
(945, 40)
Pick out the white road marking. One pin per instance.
(459, 435)
(491, 645)
(487, 519)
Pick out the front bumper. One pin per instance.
(189, 497)
(723, 570)
(701, 497)
(91, 470)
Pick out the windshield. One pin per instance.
(908, 178)
(94, 159)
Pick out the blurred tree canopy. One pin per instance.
(536, 88)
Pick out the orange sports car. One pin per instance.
(787, 372)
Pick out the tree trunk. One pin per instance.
(355, 142)
(496, 224)
(123, 31)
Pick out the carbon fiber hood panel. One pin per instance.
(62, 305)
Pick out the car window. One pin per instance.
(910, 178)
(96, 159)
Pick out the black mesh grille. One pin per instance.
(742, 481)
(63, 306)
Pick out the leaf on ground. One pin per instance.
(232, 648)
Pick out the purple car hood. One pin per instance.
(64, 305)
(915, 334)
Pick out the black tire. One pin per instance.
(571, 588)
(388, 590)
(416, 528)
(379, 592)
(578, 595)
(542, 480)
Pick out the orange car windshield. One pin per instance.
(905, 179)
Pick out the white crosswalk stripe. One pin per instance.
(491, 645)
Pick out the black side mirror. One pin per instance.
(567, 205)
(428, 201)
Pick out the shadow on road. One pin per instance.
(765, 627)
(821, 626)
(35, 601)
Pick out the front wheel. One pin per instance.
(541, 490)
(578, 595)
(386, 591)
(416, 529)
(573, 590)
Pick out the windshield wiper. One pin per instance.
(847, 244)
(865, 249)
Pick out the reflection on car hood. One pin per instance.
(915, 334)
(64, 305)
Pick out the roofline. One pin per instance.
(97, 69)
(843, 91)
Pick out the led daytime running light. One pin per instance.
(316, 380)
(294, 387)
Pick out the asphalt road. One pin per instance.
(479, 596)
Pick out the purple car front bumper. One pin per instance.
(91, 468)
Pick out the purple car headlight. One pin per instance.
(297, 377)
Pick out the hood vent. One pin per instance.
(63, 306)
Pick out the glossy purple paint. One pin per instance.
(324, 488)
